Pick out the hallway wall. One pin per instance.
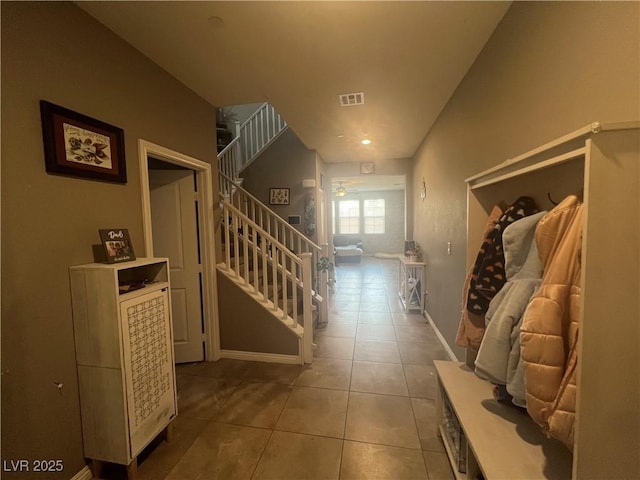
(55, 51)
(548, 69)
(284, 164)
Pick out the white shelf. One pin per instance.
(149, 287)
(502, 439)
(411, 278)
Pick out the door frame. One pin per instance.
(206, 233)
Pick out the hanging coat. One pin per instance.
(499, 354)
(487, 274)
(549, 330)
(470, 331)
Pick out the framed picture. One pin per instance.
(367, 167)
(80, 146)
(279, 196)
(117, 245)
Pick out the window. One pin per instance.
(374, 216)
(349, 216)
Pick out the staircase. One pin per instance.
(263, 255)
(252, 137)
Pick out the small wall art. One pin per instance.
(367, 167)
(80, 146)
(279, 196)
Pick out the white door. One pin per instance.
(175, 236)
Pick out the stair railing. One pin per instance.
(265, 217)
(270, 271)
(284, 233)
(253, 136)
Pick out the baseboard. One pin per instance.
(445, 345)
(84, 474)
(261, 357)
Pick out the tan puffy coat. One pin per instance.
(549, 330)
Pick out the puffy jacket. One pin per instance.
(498, 358)
(549, 331)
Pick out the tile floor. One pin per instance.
(365, 408)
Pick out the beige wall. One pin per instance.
(54, 51)
(395, 166)
(283, 165)
(246, 326)
(549, 68)
(322, 186)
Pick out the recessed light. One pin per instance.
(366, 141)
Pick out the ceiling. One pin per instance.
(406, 57)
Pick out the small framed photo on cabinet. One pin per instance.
(117, 245)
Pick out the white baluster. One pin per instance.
(307, 319)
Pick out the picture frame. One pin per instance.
(278, 196)
(80, 146)
(117, 245)
(367, 167)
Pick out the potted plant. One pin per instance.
(414, 254)
(324, 264)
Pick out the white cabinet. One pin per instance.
(124, 355)
(411, 284)
(601, 162)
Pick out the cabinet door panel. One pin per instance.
(148, 362)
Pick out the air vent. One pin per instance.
(351, 99)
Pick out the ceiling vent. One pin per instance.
(351, 99)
